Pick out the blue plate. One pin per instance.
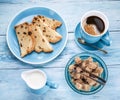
(99, 44)
(27, 15)
(85, 55)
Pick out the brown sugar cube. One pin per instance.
(71, 68)
(86, 87)
(85, 74)
(84, 64)
(77, 76)
(78, 86)
(96, 84)
(99, 70)
(97, 64)
(90, 59)
(79, 81)
(92, 65)
(88, 69)
(91, 82)
(97, 74)
(84, 79)
(72, 74)
(78, 69)
(78, 60)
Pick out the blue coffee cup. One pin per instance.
(37, 87)
(104, 36)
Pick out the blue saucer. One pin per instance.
(99, 44)
(96, 58)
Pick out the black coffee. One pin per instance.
(98, 22)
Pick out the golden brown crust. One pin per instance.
(52, 23)
(41, 43)
(26, 42)
(51, 35)
(37, 35)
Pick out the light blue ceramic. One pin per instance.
(95, 38)
(44, 88)
(27, 15)
(101, 43)
(85, 55)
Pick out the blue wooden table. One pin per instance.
(12, 86)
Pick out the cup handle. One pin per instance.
(106, 39)
(52, 85)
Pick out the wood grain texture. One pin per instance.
(14, 88)
(53, 1)
(9, 61)
(70, 11)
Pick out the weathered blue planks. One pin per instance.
(9, 61)
(11, 85)
(70, 11)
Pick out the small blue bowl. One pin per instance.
(85, 55)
